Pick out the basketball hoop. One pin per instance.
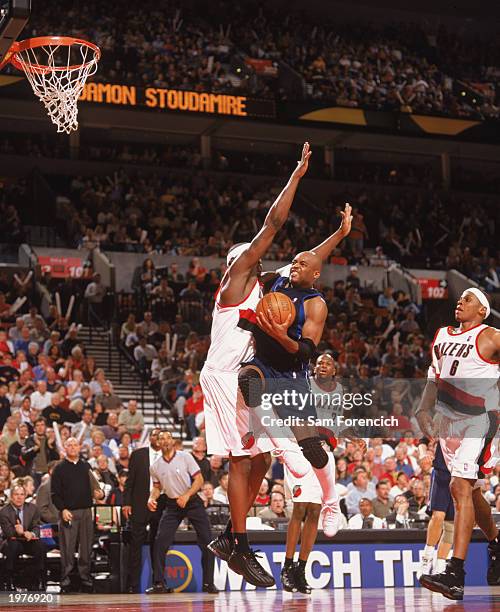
(57, 68)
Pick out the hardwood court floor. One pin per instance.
(480, 599)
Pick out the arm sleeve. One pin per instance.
(154, 475)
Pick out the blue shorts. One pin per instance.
(293, 387)
(440, 497)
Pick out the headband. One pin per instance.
(483, 300)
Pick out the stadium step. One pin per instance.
(129, 386)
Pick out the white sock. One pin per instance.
(440, 566)
(326, 477)
(428, 551)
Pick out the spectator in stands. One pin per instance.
(403, 463)
(416, 496)
(107, 398)
(110, 430)
(117, 493)
(401, 517)
(193, 406)
(128, 327)
(382, 504)
(263, 498)
(20, 524)
(147, 327)
(95, 293)
(276, 509)
(14, 451)
(132, 419)
(41, 398)
(220, 492)
(5, 409)
(82, 430)
(38, 452)
(48, 512)
(360, 487)
(402, 485)
(216, 469)
(386, 299)
(199, 452)
(55, 413)
(207, 495)
(365, 519)
(144, 354)
(9, 433)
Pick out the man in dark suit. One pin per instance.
(136, 497)
(48, 512)
(20, 524)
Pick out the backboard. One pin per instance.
(14, 15)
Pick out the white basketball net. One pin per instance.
(57, 74)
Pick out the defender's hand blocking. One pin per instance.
(303, 164)
(345, 224)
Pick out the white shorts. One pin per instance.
(228, 420)
(469, 445)
(306, 489)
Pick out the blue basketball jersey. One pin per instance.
(267, 349)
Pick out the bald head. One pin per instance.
(306, 269)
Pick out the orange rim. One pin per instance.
(42, 41)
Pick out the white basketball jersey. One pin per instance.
(329, 406)
(230, 344)
(467, 383)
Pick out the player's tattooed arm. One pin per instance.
(424, 411)
(326, 247)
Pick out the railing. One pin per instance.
(105, 330)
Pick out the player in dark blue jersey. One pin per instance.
(281, 363)
(442, 512)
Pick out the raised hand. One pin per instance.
(303, 164)
(345, 224)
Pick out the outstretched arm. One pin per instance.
(326, 247)
(240, 269)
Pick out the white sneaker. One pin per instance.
(294, 460)
(425, 566)
(332, 519)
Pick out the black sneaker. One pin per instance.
(158, 588)
(288, 579)
(449, 583)
(210, 588)
(493, 575)
(222, 546)
(246, 564)
(300, 580)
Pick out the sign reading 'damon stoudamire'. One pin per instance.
(178, 100)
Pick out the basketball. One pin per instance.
(279, 304)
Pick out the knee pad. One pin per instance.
(251, 384)
(447, 536)
(314, 452)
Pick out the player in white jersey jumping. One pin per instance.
(463, 387)
(226, 416)
(306, 491)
